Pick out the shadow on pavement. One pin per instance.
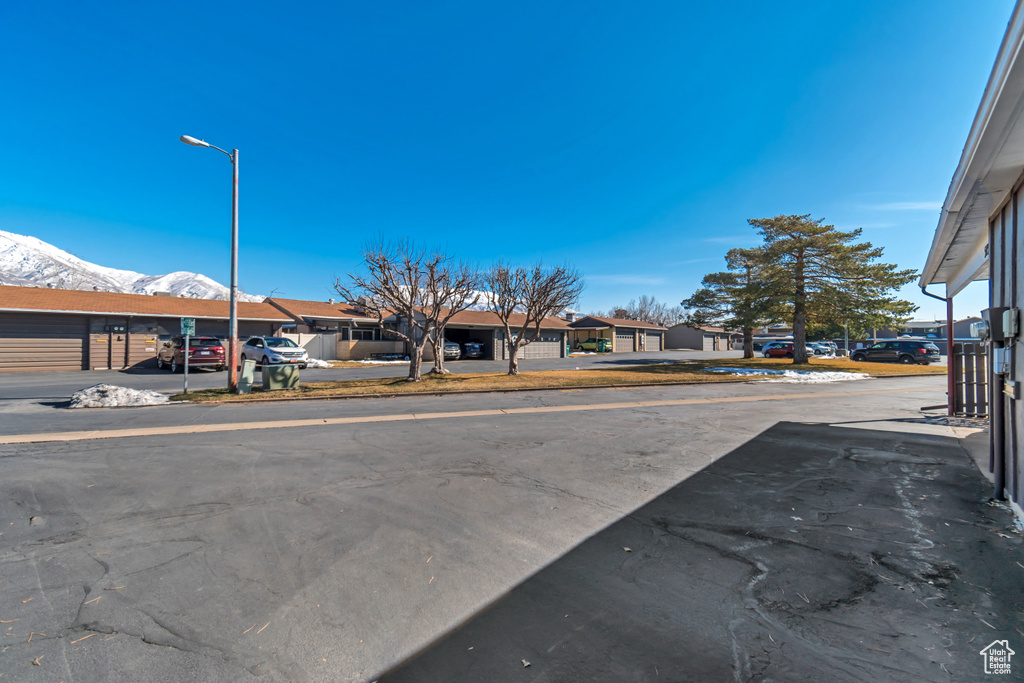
(812, 552)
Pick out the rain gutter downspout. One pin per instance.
(950, 385)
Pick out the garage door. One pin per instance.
(654, 341)
(709, 342)
(624, 339)
(40, 343)
(546, 346)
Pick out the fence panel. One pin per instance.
(970, 380)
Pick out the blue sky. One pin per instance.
(630, 139)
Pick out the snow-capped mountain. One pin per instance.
(29, 262)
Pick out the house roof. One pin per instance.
(320, 310)
(591, 322)
(992, 160)
(491, 319)
(45, 300)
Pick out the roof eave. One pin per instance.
(996, 115)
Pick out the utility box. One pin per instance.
(246, 376)
(994, 318)
(280, 377)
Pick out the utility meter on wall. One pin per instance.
(1011, 323)
(982, 330)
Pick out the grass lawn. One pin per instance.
(687, 371)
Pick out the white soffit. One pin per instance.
(993, 159)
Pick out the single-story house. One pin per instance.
(626, 335)
(330, 330)
(936, 329)
(683, 336)
(45, 329)
(320, 326)
(487, 328)
(979, 237)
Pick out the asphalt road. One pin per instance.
(333, 552)
(58, 386)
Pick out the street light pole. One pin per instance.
(233, 314)
(232, 359)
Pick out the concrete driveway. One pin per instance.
(335, 552)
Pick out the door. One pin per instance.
(709, 342)
(546, 346)
(624, 339)
(41, 343)
(884, 351)
(654, 341)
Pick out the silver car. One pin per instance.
(452, 351)
(274, 351)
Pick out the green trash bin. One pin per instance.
(604, 345)
(280, 377)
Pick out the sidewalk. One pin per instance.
(843, 552)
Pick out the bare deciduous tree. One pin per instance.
(450, 288)
(535, 293)
(423, 289)
(394, 284)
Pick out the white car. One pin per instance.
(274, 351)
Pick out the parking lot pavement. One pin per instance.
(333, 552)
(26, 417)
(811, 552)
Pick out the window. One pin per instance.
(365, 335)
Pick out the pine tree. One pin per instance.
(823, 275)
(739, 298)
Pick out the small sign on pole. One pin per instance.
(188, 328)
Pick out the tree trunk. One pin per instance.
(438, 346)
(748, 342)
(800, 314)
(513, 358)
(800, 334)
(415, 362)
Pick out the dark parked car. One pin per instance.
(473, 348)
(906, 352)
(203, 352)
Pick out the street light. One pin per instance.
(233, 315)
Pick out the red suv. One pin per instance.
(779, 350)
(203, 352)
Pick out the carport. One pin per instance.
(626, 335)
(462, 334)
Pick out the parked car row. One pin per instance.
(904, 351)
(208, 352)
(474, 348)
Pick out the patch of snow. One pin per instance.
(383, 362)
(583, 353)
(110, 396)
(317, 363)
(794, 376)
